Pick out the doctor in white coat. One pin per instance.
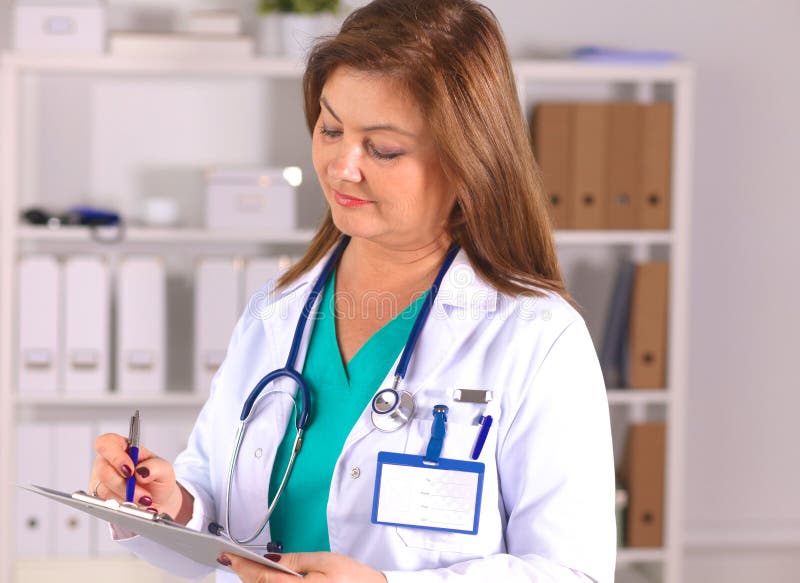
(420, 149)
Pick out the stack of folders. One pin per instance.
(209, 34)
(63, 460)
(633, 354)
(65, 321)
(65, 325)
(605, 165)
(224, 289)
(642, 475)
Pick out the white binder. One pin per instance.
(141, 325)
(259, 271)
(87, 306)
(39, 354)
(216, 311)
(72, 464)
(34, 530)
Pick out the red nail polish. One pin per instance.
(145, 501)
(126, 471)
(143, 472)
(153, 510)
(274, 557)
(223, 560)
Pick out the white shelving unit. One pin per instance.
(643, 83)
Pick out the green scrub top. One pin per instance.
(339, 395)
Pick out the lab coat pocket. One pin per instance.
(457, 445)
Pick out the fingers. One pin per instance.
(308, 562)
(106, 483)
(251, 572)
(154, 470)
(113, 448)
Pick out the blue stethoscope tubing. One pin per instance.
(289, 370)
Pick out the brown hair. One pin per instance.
(451, 57)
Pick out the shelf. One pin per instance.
(638, 396)
(148, 235)
(112, 64)
(627, 556)
(551, 70)
(587, 237)
(152, 235)
(111, 400)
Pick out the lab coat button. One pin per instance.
(258, 453)
(355, 473)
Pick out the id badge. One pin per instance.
(444, 496)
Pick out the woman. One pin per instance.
(421, 150)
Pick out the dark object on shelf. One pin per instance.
(82, 216)
(614, 352)
(78, 215)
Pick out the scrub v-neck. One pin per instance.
(339, 395)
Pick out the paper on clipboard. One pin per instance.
(197, 546)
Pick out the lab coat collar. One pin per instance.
(462, 293)
(461, 287)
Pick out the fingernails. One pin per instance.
(145, 501)
(126, 471)
(274, 557)
(143, 472)
(153, 510)
(223, 560)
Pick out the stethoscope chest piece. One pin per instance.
(391, 409)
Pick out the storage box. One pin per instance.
(258, 200)
(77, 27)
(224, 22)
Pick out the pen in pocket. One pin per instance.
(486, 423)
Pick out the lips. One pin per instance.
(349, 201)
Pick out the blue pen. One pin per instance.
(133, 451)
(486, 423)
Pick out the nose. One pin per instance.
(345, 164)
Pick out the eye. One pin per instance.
(382, 155)
(329, 132)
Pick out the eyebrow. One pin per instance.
(372, 128)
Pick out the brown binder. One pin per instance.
(588, 184)
(624, 136)
(643, 473)
(647, 334)
(656, 166)
(550, 130)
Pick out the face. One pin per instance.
(377, 163)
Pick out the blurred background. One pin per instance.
(157, 144)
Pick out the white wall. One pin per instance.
(743, 470)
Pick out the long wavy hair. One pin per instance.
(451, 57)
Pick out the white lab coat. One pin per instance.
(547, 511)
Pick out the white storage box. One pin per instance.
(259, 200)
(74, 26)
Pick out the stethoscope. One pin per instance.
(391, 408)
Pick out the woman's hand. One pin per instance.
(156, 486)
(318, 568)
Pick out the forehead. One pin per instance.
(369, 97)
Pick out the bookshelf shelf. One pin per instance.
(628, 556)
(152, 235)
(111, 400)
(638, 396)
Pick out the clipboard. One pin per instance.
(160, 528)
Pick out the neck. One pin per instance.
(366, 265)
